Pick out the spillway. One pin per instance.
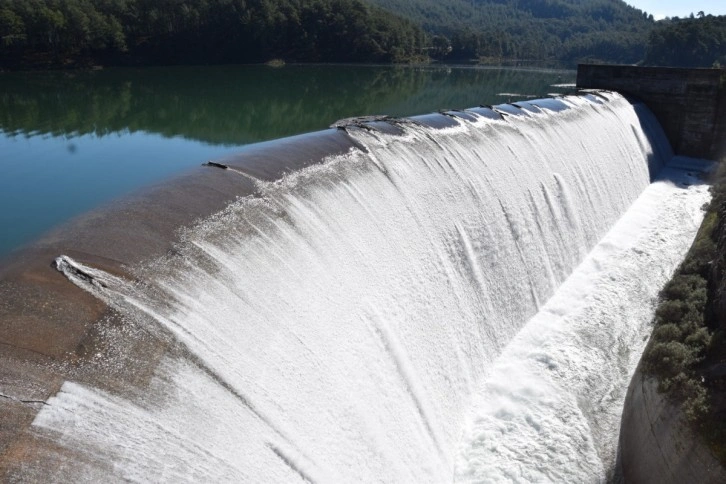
(549, 409)
(355, 319)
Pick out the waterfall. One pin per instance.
(339, 325)
(549, 409)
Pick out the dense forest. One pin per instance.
(60, 32)
(699, 41)
(564, 30)
(72, 32)
(39, 33)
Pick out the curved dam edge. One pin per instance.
(50, 329)
(655, 444)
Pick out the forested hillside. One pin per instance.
(565, 30)
(688, 42)
(59, 32)
(82, 32)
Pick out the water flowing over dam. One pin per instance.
(359, 319)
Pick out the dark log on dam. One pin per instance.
(339, 306)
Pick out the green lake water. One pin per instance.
(70, 141)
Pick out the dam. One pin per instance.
(457, 296)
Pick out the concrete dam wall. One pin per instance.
(690, 104)
(401, 300)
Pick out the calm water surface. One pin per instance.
(70, 141)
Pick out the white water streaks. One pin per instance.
(549, 411)
(336, 328)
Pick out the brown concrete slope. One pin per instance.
(51, 331)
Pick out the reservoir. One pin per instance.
(73, 140)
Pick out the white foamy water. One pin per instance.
(549, 411)
(337, 328)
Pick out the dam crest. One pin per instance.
(338, 311)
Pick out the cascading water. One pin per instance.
(337, 327)
(549, 409)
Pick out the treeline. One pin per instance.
(77, 32)
(689, 42)
(565, 30)
(61, 32)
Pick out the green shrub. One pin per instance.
(670, 311)
(666, 332)
(699, 340)
(682, 342)
(668, 359)
(695, 399)
(682, 285)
